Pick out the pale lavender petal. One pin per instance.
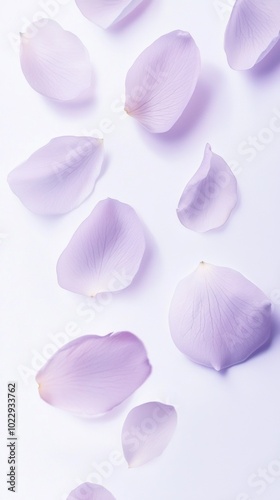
(253, 29)
(55, 62)
(90, 491)
(104, 13)
(91, 375)
(147, 431)
(105, 252)
(210, 196)
(218, 318)
(162, 80)
(59, 176)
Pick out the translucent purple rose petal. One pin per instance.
(54, 61)
(91, 375)
(210, 196)
(59, 176)
(252, 31)
(104, 13)
(162, 80)
(90, 491)
(105, 252)
(147, 431)
(218, 318)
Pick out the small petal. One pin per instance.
(104, 13)
(156, 423)
(91, 375)
(210, 196)
(218, 318)
(105, 252)
(162, 80)
(54, 61)
(253, 29)
(59, 176)
(90, 491)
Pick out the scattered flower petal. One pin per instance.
(59, 176)
(91, 375)
(104, 13)
(218, 318)
(54, 61)
(253, 29)
(210, 196)
(147, 431)
(90, 491)
(162, 80)
(105, 252)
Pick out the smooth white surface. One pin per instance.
(228, 425)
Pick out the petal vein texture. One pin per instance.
(162, 80)
(55, 62)
(253, 29)
(218, 318)
(91, 375)
(105, 253)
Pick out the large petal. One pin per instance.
(106, 12)
(91, 375)
(210, 196)
(59, 176)
(253, 29)
(105, 252)
(147, 431)
(90, 491)
(218, 318)
(54, 61)
(162, 80)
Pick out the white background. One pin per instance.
(228, 423)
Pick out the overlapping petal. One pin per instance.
(253, 29)
(91, 374)
(104, 13)
(90, 491)
(210, 196)
(147, 431)
(59, 176)
(54, 61)
(105, 252)
(162, 80)
(218, 318)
